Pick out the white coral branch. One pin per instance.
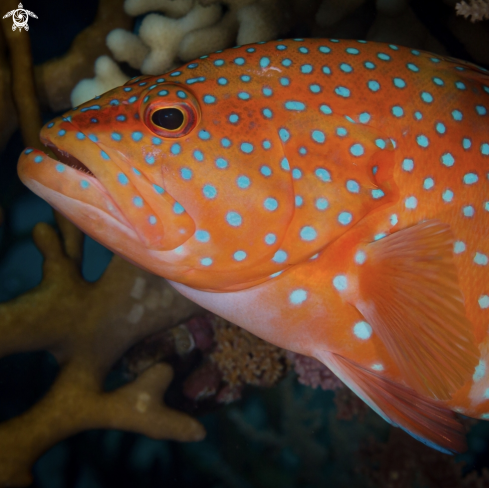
(171, 8)
(475, 9)
(126, 46)
(164, 35)
(108, 75)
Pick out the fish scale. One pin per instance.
(330, 196)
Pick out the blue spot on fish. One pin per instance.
(323, 174)
(122, 178)
(284, 134)
(177, 208)
(234, 219)
(280, 256)
(357, 150)
(308, 233)
(243, 182)
(270, 204)
(138, 201)
(202, 236)
(344, 218)
(239, 255)
(318, 136)
(246, 147)
(294, 105)
(270, 239)
(209, 191)
(297, 297)
(342, 91)
(340, 282)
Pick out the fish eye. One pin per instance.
(170, 118)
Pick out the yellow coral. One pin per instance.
(245, 359)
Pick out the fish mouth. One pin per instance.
(86, 182)
(67, 158)
(72, 188)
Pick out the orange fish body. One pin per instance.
(329, 196)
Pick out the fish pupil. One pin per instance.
(168, 118)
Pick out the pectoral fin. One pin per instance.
(409, 294)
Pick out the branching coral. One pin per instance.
(108, 75)
(56, 78)
(87, 327)
(475, 10)
(8, 115)
(23, 82)
(188, 29)
(156, 48)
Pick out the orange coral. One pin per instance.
(243, 358)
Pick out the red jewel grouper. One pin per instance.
(331, 197)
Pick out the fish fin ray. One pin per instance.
(423, 418)
(409, 294)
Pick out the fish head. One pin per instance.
(153, 170)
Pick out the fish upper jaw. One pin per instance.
(73, 189)
(96, 177)
(67, 158)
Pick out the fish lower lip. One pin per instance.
(68, 159)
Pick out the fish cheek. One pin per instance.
(241, 213)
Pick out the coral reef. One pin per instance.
(135, 321)
(8, 115)
(87, 327)
(108, 75)
(156, 48)
(187, 30)
(244, 359)
(56, 78)
(230, 358)
(474, 10)
(292, 432)
(402, 462)
(313, 373)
